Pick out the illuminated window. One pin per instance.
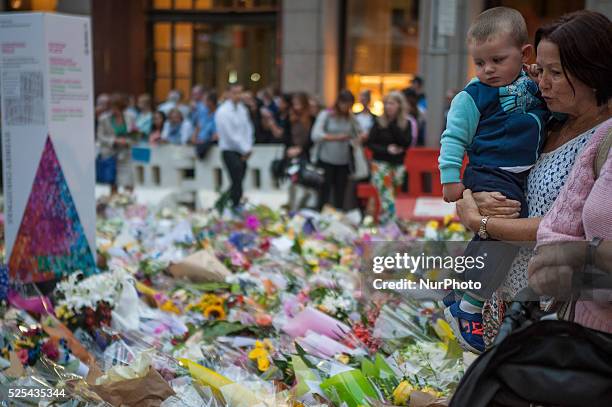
(382, 46)
(231, 53)
(215, 4)
(32, 5)
(378, 85)
(172, 57)
(161, 4)
(188, 48)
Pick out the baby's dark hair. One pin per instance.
(498, 20)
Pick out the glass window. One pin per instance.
(32, 5)
(235, 53)
(162, 4)
(162, 63)
(186, 53)
(172, 57)
(44, 5)
(162, 87)
(182, 64)
(215, 4)
(161, 33)
(382, 46)
(182, 36)
(203, 4)
(184, 85)
(382, 36)
(183, 4)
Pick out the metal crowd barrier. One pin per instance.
(178, 168)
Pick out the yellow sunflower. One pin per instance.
(214, 311)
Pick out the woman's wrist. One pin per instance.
(474, 222)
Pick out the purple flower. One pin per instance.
(252, 222)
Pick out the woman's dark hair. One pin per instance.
(583, 38)
(345, 96)
(304, 115)
(163, 116)
(412, 99)
(286, 97)
(212, 98)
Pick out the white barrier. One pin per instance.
(178, 168)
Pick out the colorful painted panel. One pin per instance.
(51, 241)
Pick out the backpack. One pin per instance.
(602, 153)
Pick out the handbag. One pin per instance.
(548, 354)
(106, 170)
(360, 170)
(310, 176)
(278, 168)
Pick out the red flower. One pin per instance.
(50, 350)
(23, 356)
(30, 333)
(265, 245)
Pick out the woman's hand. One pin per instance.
(394, 149)
(294, 151)
(532, 71)
(551, 270)
(267, 120)
(497, 205)
(336, 137)
(468, 211)
(121, 142)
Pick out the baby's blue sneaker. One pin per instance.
(467, 327)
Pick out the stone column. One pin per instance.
(310, 47)
(443, 57)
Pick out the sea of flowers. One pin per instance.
(195, 308)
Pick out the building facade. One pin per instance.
(318, 46)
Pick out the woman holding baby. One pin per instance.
(574, 73)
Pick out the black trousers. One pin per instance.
(499, 255)
(336, 179)
(236, 167)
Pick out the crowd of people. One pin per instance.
(537, 137)
(532, 134)
(327, 139)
